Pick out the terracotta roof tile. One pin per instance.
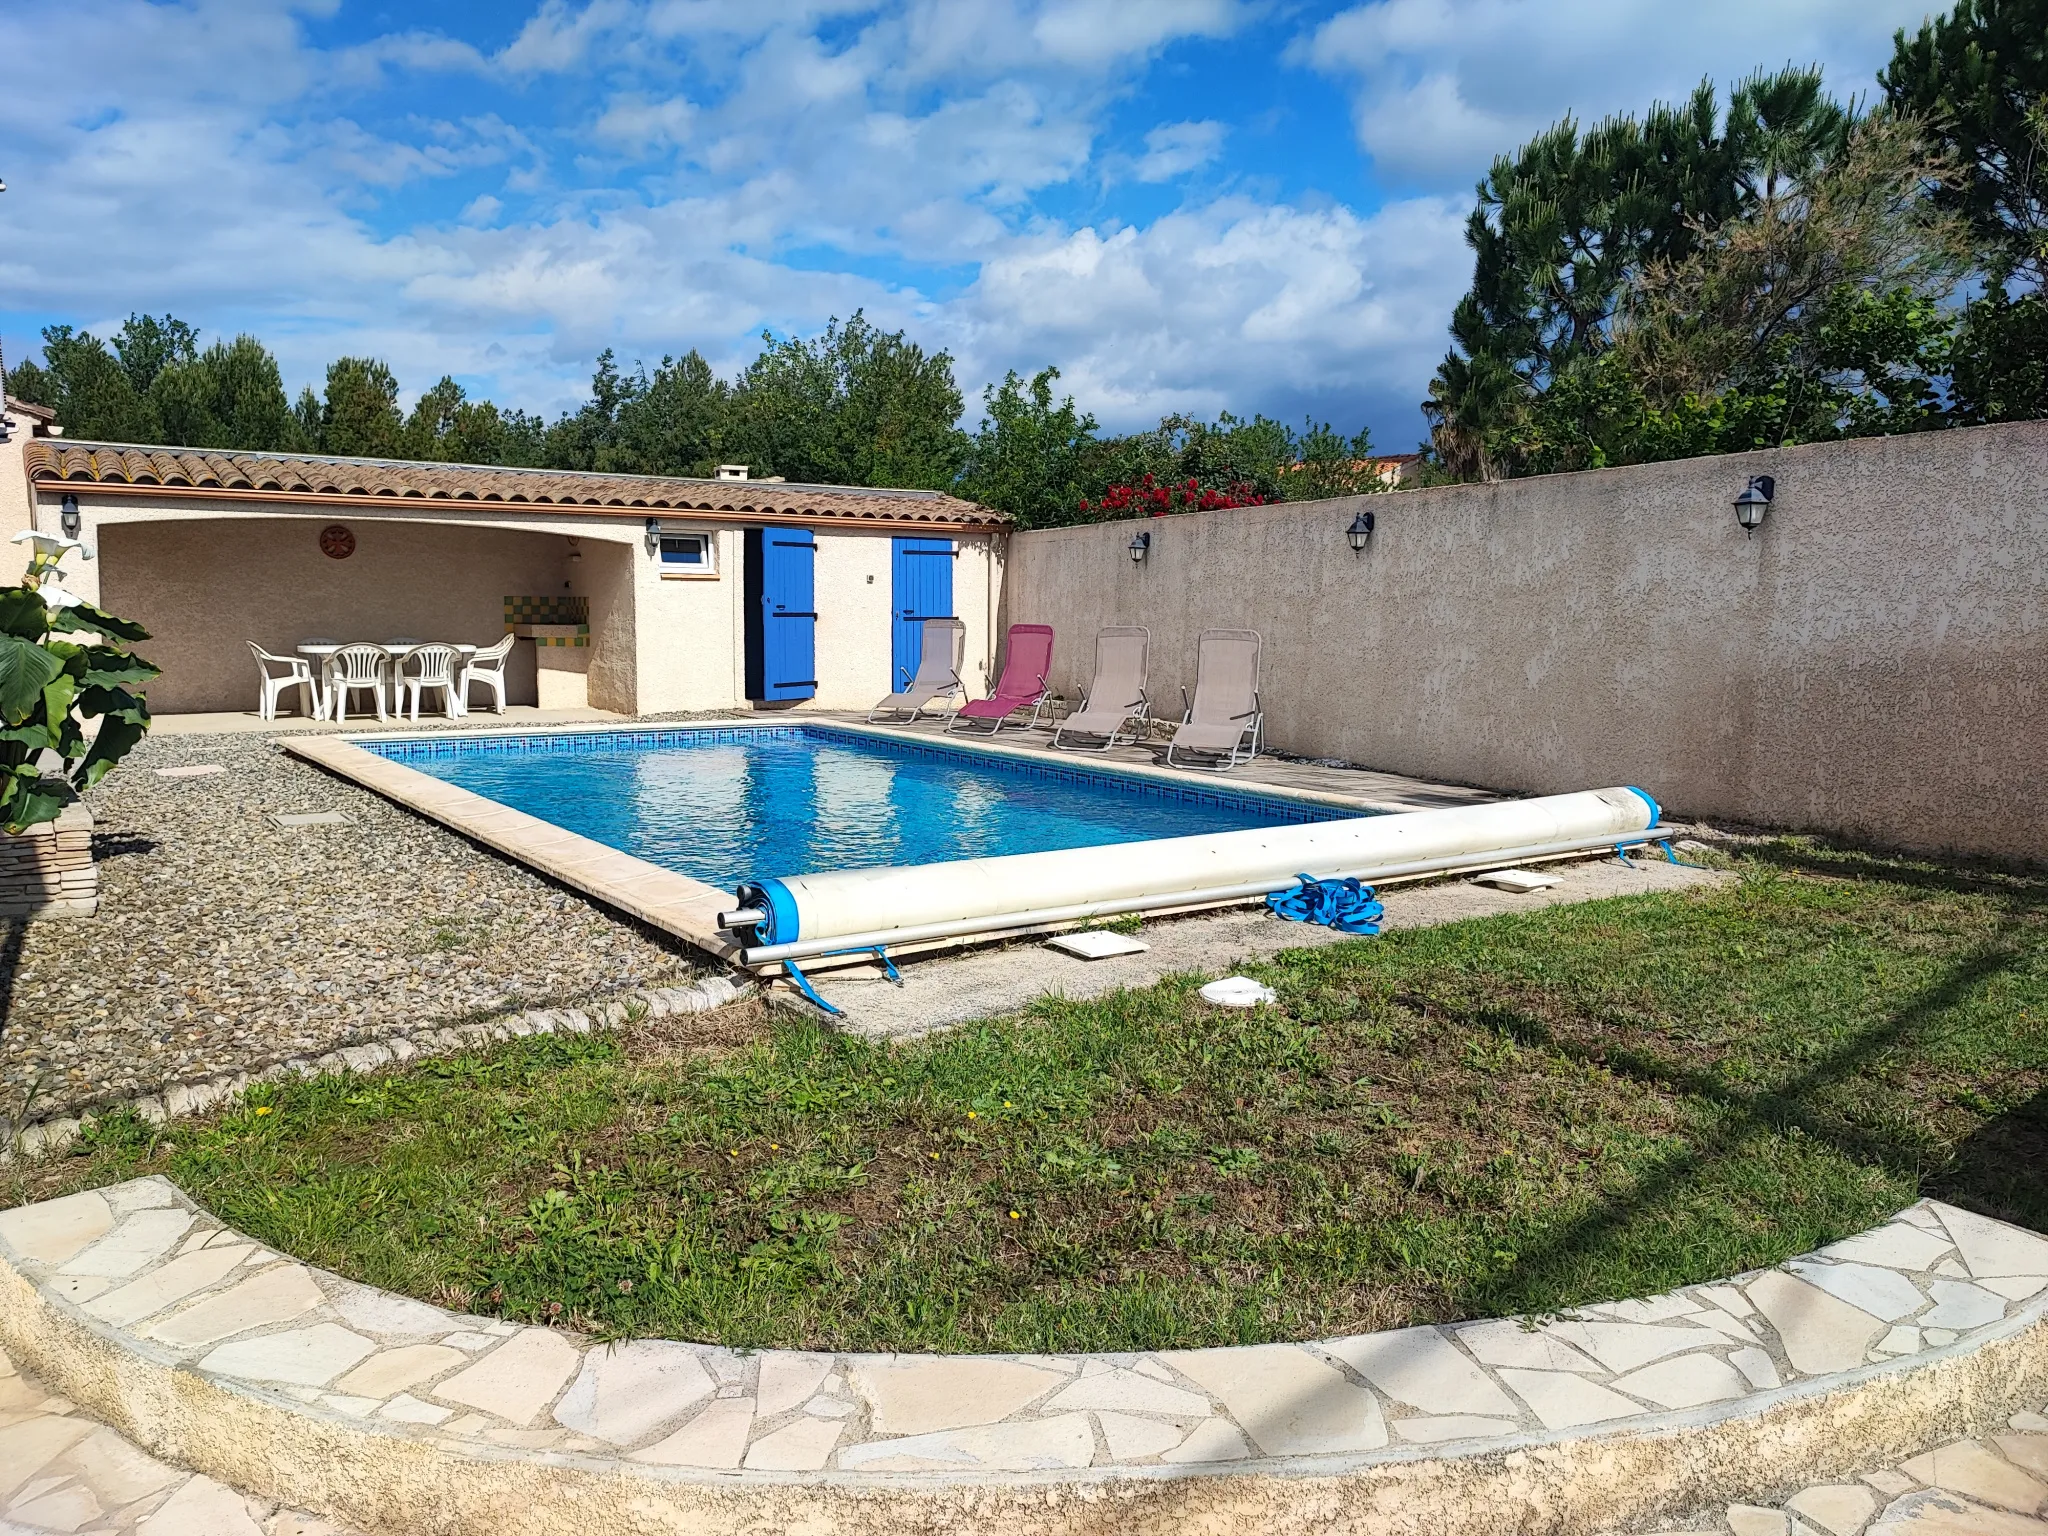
(287, 476)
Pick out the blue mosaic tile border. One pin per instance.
(1273, 807)
(425, 749)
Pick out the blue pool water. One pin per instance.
(728, 805)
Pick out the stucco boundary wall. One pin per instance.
(1872, 663)
(216, 1353)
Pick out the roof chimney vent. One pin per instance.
(732, 471)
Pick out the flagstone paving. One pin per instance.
(145, 1267)
(1996, 1486)
(62, 1472)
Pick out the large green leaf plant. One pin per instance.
(63, 664)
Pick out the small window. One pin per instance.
(688, 554)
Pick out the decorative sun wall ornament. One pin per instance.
(336, 542)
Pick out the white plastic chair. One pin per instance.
(487, 667)
(298, 673)
(424, 667)
(356, 669)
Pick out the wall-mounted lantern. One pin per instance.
(1359, 534)
(1754, 502)
(1140, 546)
(67, 517)
(654, 535)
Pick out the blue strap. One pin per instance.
(804, 986)
(1344, 905)
(1674, 858)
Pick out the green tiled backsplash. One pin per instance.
(547, 610)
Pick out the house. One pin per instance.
(35, 420)
(632, 593)
(1398, 469)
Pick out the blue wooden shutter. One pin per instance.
(788, 616)
(922, 579)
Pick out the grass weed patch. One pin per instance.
(1509, 1114)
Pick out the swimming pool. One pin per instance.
(723, 805)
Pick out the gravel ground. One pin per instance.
(226, 943)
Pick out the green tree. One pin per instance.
(853, 406)
(1226, 453)
(1978, 78)
(670, 423)
(578, 438)
(92, 394)
(28, 380)
(148, 344)
(1818, 311)
(1564, 226)
(1999, 362)
(430, 429)
(359, 417)
(1028, 456)
(1186, 463)
(1324, 462)
(306, 412)
(229, 396)
(447, 427)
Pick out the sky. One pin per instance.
(1184, 205)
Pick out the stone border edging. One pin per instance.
(178, 1099)
(212, 1350)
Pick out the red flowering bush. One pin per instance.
(1190, 495)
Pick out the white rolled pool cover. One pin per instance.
(866, 906)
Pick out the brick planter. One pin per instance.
(48, 870)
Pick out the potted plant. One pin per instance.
(68, 714)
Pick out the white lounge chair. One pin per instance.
(424, 667)
(942, 646)
(487, 667)
(1114, 710)
(298, 673)
(356, 669)
(1226, 722)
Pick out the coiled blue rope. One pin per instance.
(1344, 905)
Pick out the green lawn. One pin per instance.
(1510, 1114)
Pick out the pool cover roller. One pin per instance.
(864, 903)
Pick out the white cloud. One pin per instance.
(640, 126)
(415, 52)
(1174, 149)
(1441, 86)
(1089, 32)
(558, 35)
(1212, 307)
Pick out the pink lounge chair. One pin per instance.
(1027, 663)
